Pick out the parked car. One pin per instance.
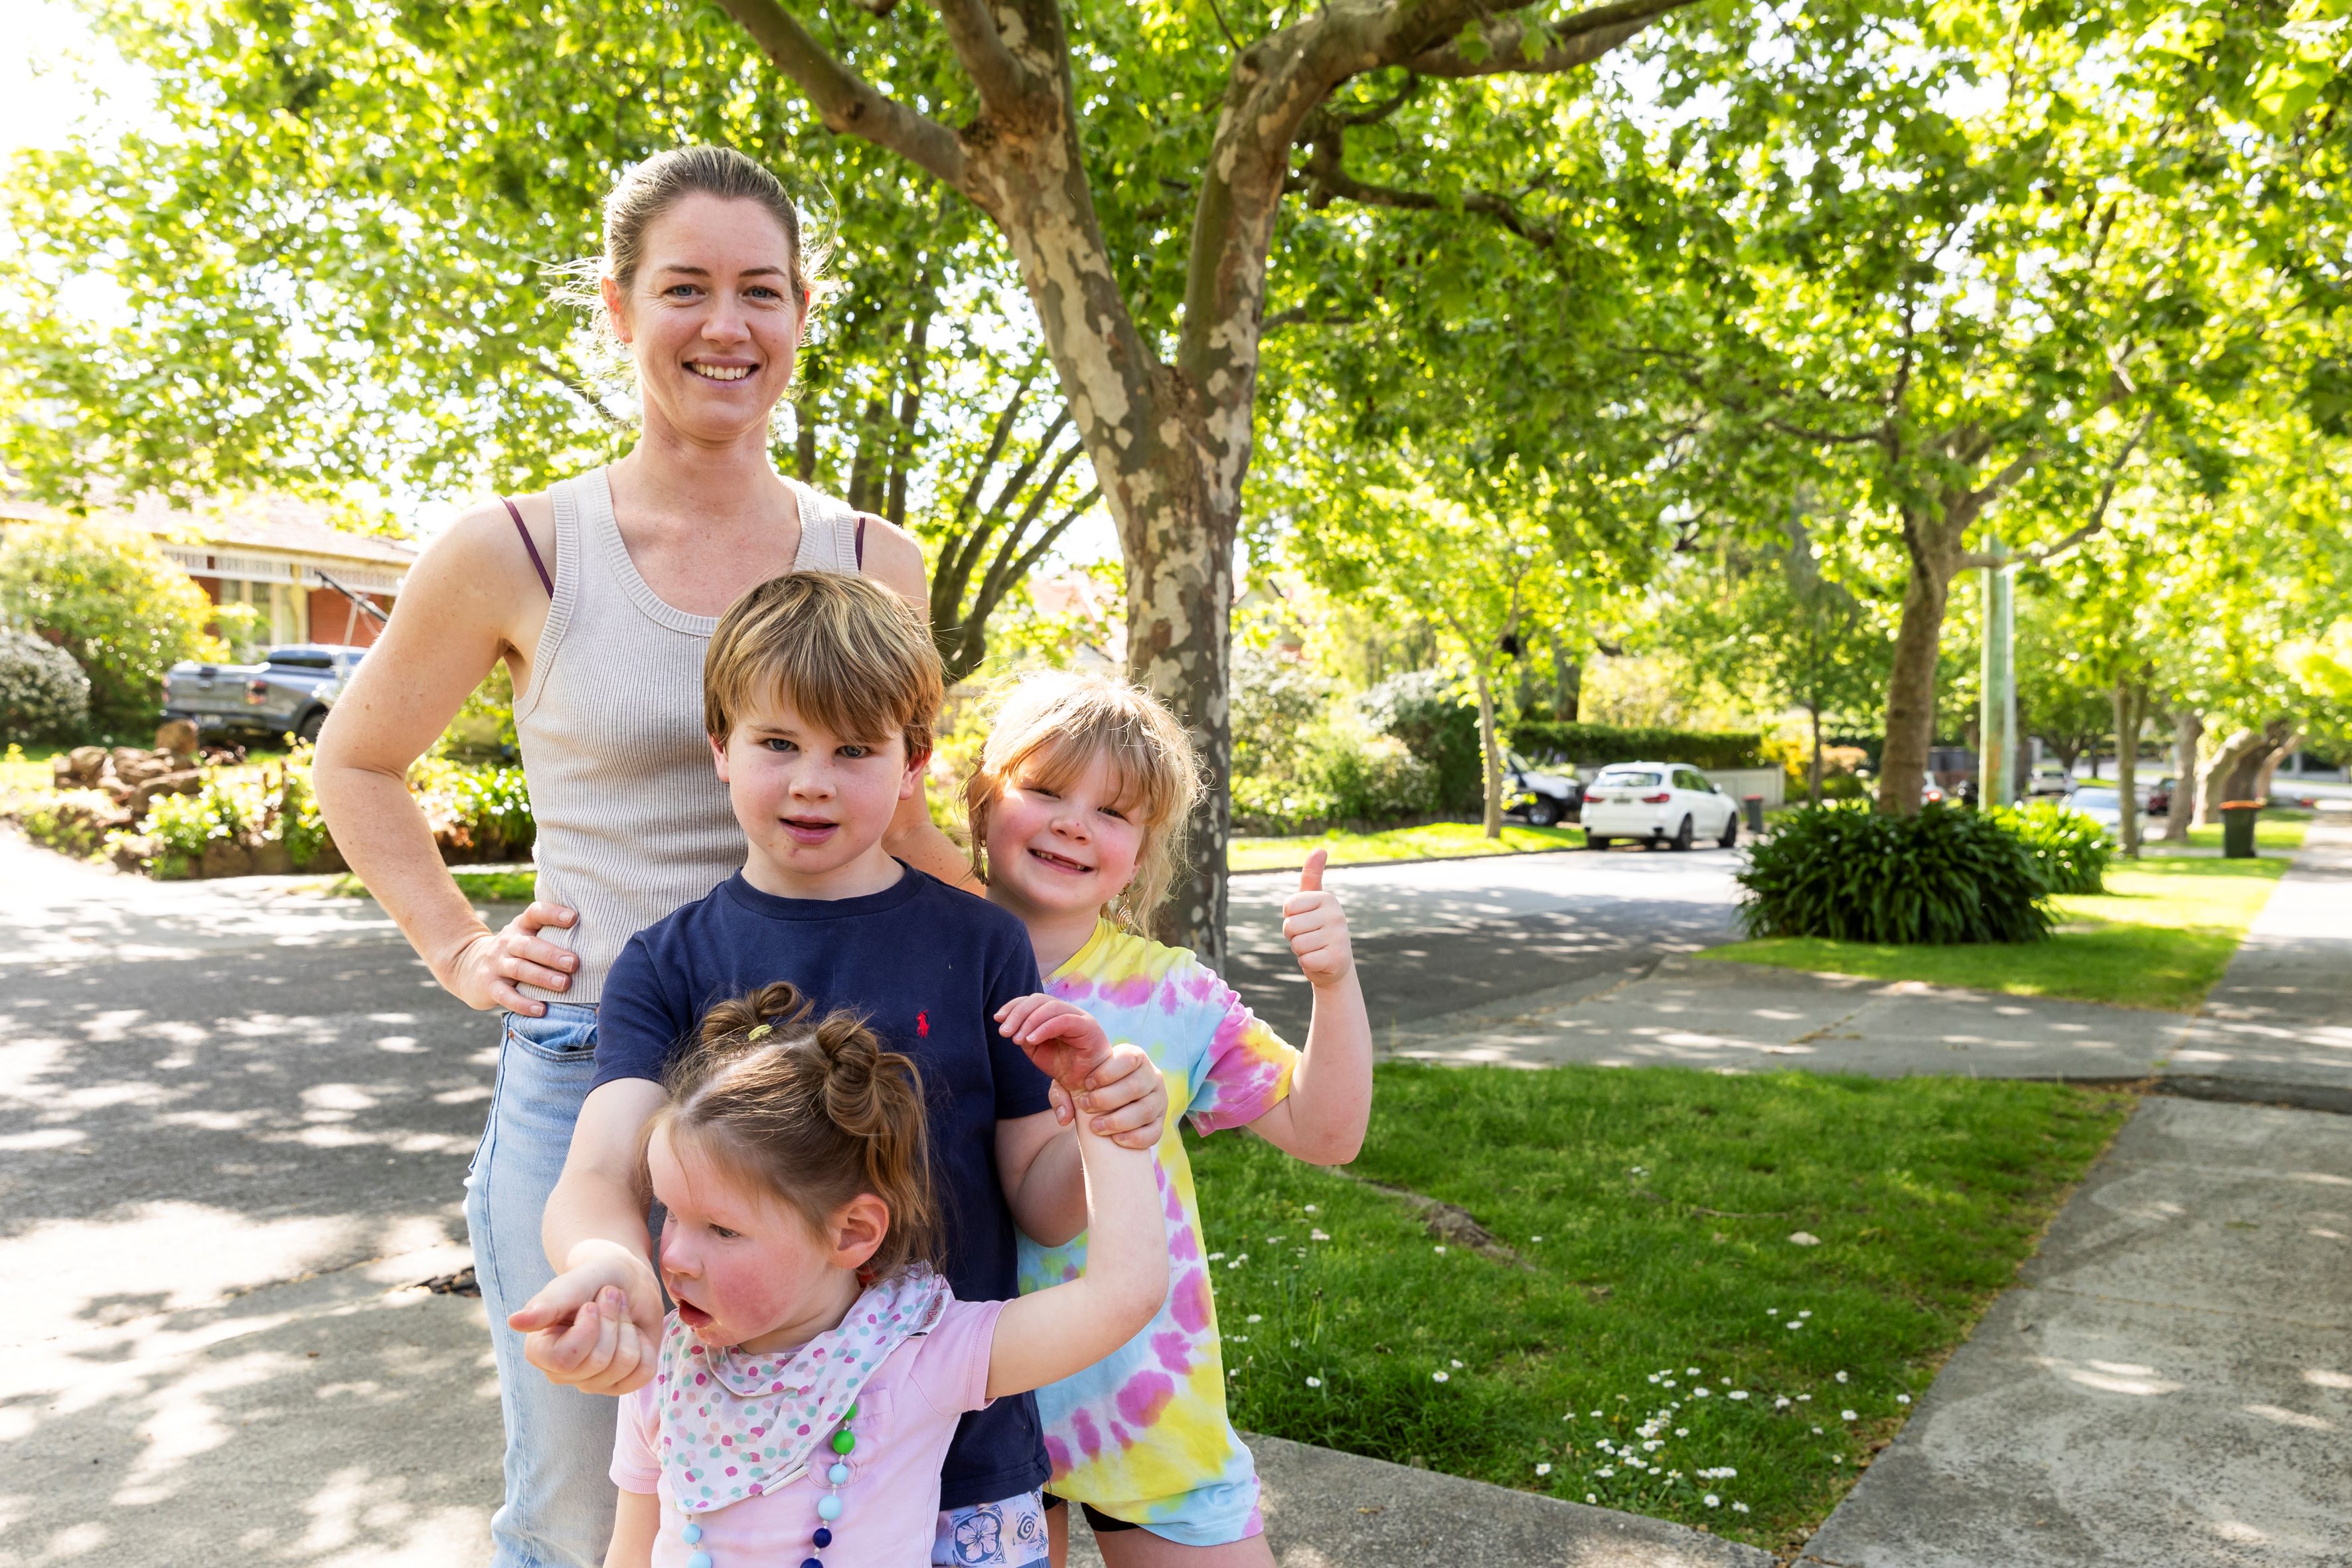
(287, 693)
(2050, 779)
(1545, 797)
(1661, 803)
(2101, 803)
(2160, 799)
(1931, 792)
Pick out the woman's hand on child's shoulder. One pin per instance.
(1317, 928)
(1125, 1099)
(1064, 1041)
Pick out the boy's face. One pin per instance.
(814, 804)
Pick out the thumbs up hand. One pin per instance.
(1316, 929)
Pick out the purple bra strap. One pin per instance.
(546, 581)
(860, 545)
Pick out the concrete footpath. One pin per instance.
(2170, 1381)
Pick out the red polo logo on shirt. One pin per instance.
(923, 1024)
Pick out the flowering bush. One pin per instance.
(44, 695)
(122, 610)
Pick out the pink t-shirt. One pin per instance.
(906, 1414)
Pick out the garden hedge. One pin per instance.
(1602, 744)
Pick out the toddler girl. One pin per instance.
(1076, 809)
(814, 1366)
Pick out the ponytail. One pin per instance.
(814, 1113)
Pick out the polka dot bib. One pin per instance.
(735, 1423)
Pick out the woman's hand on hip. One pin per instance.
(488, 968)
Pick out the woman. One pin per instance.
(600, 595)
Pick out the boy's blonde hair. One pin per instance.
(845, 651)
(1049, 729)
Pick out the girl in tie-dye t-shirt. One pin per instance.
(1080, 791)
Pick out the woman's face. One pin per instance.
(711, 319)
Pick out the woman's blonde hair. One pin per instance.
(812, 1110)
(1049, 729)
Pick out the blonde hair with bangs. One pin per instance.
(1049, 729)
(845, 652)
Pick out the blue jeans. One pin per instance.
(558, 1512)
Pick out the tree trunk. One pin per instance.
(1490, 757)
(1567, 681)
(2213, 780)
(1813, 774)
(2282, 737)
(2127, 768)
(1911, 688)
(2187, 729)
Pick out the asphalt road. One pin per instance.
(1447, 935)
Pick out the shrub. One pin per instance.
(1851, 874)
(44, 695)
(2068, 850)
(71, 821)
(1375, 779)
(1281, 806)
(1276, 701)
(1426, 709)
(183, 827)
(495, 803)
(1601, 745)
(114, 602)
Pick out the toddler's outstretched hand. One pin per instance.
(596, 1327)
(1317, 928)
(1063, 1039)
(1125, 1099)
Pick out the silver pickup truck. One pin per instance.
(288, 693)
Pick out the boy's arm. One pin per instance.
(637, 1520)
(595, 1233)
(1061, 1330)
(1323, 1118)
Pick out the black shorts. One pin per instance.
(1102, 1523)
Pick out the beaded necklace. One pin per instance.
(828, 1506)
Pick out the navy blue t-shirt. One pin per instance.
(928, 966)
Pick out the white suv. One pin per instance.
(1664, 803)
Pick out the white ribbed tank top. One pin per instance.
(633, 821)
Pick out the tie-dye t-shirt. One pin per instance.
(1142, 1434)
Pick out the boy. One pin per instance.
(819, 691)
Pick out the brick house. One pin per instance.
(277, 556)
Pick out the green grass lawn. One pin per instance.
(1653, 1208)
(2159, 937)
(1429, 841)
(2281, 830)
(482, 885)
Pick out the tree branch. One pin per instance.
(1559, 45)
(844, 102)
(2039, 555)
(1007, 88)
(578, 387)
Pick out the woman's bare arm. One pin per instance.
(464, 606)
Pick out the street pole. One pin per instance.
(1997, 717)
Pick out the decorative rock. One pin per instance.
(177, 737)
